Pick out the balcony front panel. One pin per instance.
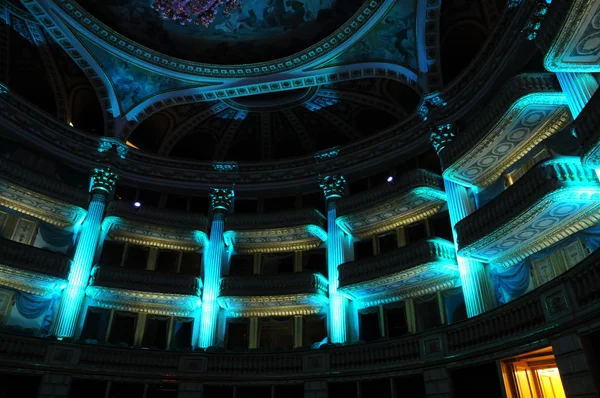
(274, 295)
(40, 197)
(420, 268)
(292, 230)
(555, 199)
(161, 228)
(569, 36)
(587, 129)
(528, 110)
(413, 197)
(144, 291)
(32, 270)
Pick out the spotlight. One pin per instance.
(390, 180)
(137, 205)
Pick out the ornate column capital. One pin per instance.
(221, 198)
(103, 179)
(333, 186)
(441, 136)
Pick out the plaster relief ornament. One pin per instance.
(194, 11)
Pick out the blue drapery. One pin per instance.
(514, 282)
(32, 307)
(453, 300)
(57, 237)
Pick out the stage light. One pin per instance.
(137, 205)
(390, 179)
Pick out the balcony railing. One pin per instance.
(545, 178)
(147, 281)
(18, 175)
(281, 219)
(403, 184)
(153, 215)
(402, 259)
(33, 259)
(272, 285)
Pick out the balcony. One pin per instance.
(41, 197)
(144, 291)
(555, 199)
(415, 196)
(529, 109)
(161, 228)
(32, 270)
(565, 31)
(274, 295)
(587, 129)
(414, 270)
(286, 231)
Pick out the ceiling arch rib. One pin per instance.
(228, 135)
(363, 99)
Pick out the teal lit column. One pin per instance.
(102, 184)
(476, 286)
(579, 88)
(213, 264)
(334, 188)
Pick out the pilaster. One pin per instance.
(573, 367)
(298, 332)
(579, 89)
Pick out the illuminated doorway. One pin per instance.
(532, 375)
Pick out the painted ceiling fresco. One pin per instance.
(262, 30)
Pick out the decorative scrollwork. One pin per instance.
(103, 179)
(333, 186)
(441, 136)
(221, 198)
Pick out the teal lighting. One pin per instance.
(4, 88)
(317, 231)
(578, 88)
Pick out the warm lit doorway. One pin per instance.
(532, 375)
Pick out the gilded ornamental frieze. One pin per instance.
(569, 36)
(293, 230)
(555, 199)
(420, 268)
(414, 196)
(528, 110)
(274, 295)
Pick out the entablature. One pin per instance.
(300, 293)
(32, 270)
(291, 230)
(414, 270)
(414, 196)
(553, 200)
(529, 109)
(161, 228)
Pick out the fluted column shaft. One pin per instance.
(476, 286)
(335, 257)
(213, 265)
(83, 260)
(579, 88)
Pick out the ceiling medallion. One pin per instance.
(193, 11)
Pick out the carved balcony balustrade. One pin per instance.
(31, 269)
(567, 303)
(553, 200)
(144, 291)
(421, 268)
(39, 196)
(566, 36)
(529, 109)
(414, 196)
(150, 226)
(587, 129)
(301, 293)
(285, 231)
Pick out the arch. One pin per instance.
(85, 112)
(149, 135)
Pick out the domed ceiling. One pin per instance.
(261, 30)
(279, 125)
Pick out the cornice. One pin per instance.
(517, 88)
(274, 295)
(415, 195)
(555, 199)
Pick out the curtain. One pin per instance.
(454, 305)
(515, 281)
(427, 312)
(182, 333)
(57, 239)
(96, 323)
(369, 310)
(32, 307)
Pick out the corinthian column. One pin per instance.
(102, 184)
(476, 287)
(578, 88)
(334, 188)
(221, 200)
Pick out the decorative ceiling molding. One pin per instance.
(555, 199)
(228, 135)
(307, 143)
(363, 99)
